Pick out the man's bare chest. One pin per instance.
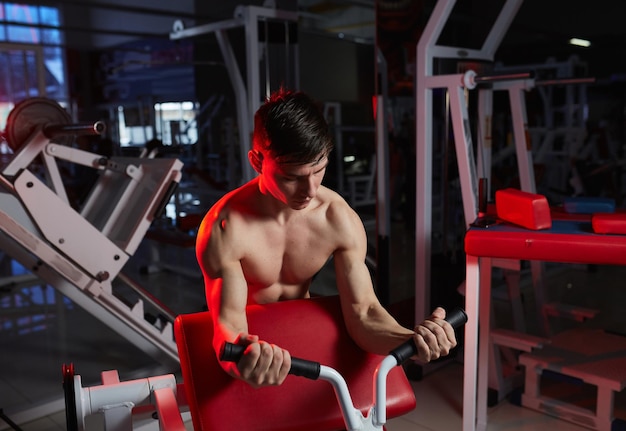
(284, 257)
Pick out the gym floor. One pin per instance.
(41, 331)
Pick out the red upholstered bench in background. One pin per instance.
(312, 329)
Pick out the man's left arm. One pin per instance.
(368, 322)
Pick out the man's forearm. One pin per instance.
(376, 331)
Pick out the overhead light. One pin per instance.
(580, 42)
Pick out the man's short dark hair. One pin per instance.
(291, 127)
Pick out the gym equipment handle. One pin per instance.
(54, 130)
(404, 351)
(311, 370)
(299, 367)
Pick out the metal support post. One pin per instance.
(247, 89)
(426, 81)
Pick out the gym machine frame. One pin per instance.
(455, 86)
(118, 402)
(516, 84)
(248, 92)
(80, 252)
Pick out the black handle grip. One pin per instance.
(231, 352)
(71, 415)
(456, 318)
(299, 367)
(311, 370)
(482, 195)
(404, 351)
(305, 368)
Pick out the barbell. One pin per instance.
(46, 114)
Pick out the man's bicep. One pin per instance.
(227, 297)
(354, 281)
(353, 277)
(225, 285)
(214, 249)
(227, 303)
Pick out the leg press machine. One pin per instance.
(81, 251)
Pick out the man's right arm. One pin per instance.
(226, 293)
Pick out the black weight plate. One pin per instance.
(28, 115)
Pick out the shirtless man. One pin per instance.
(264, 241)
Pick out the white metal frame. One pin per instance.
(116, 400)
(248, 90)
(80, 254)
(455, 84)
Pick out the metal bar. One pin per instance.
(7, 184)
(500, 27)
(213, 27)
(147, 296)
(9, 421)
(383, 198)
(41, 71)
(25, 73)
(465, 154)
(88, 30)
(470, 355)
(96, 128)
(507, 77)
(484, 137)
(251, 18)
(287, 53)
(523, 149)
(239, 87)
(363, 3)
(565, 81)
(120, 7)
(455, 52)
(266, 47)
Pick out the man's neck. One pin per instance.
(276, 208)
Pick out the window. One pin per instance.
(31, 55)
(175, 124)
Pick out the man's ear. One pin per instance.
(256, 160)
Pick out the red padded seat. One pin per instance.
(310, 329)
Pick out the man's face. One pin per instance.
(293, 184)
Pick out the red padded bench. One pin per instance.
(310, 329)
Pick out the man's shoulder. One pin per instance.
(329, 195)
(330, 199)
(337, 208)
(235, 200)
(230, 210)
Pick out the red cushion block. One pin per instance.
(310, 329)
(525, 209)
(609, 223)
